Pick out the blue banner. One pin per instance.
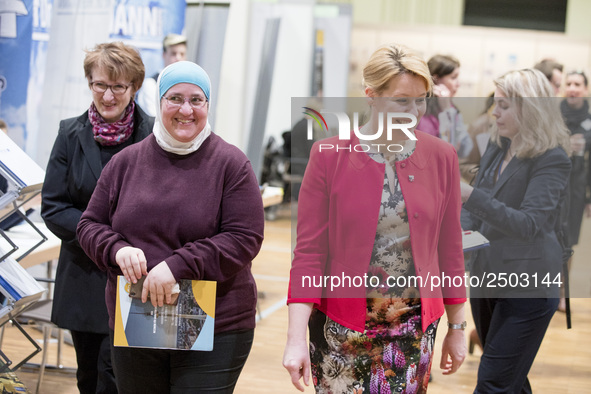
(16, 28)
(39, 44)
(144, 23)
(33, 105)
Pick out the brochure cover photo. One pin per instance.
(188, 325)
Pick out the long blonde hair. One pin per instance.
(390, 61)
(540, 122)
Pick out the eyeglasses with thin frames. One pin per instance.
(101, 87)
(178, 101)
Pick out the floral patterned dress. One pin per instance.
(393, 355)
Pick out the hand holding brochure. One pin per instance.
(473, 240)
(188, 325)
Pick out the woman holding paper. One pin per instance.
(516, 203)
(84, 145)
(182, 204)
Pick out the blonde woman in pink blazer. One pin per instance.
(381, 216)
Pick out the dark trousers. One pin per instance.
(511, 330)
(140, 370)
(93, 354)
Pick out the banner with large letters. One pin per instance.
(144, 23)
(42, 45)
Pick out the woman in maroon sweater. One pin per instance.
(183, 204)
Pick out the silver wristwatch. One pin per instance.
(460, 326)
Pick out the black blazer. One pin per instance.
(72, 173)
(519, 217)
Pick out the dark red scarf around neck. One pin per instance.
(109, 134)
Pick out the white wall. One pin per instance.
(230, 104)
(241, 64)
(484, 53)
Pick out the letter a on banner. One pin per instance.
(80, 25)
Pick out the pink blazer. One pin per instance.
(338, 212)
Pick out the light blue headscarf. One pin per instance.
(184, 72)
(180, 72)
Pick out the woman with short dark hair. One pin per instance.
(442, 118)
(83, 147)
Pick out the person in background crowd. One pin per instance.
(83, 147)
(386, 215)
(575, 110)
(479, 130)
(516, 203)
(552, 70)
(197, 214)
(174, 49)
(442, 118)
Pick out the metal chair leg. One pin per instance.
(46, 332)
(60, 341)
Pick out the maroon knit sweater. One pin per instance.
(201, 213)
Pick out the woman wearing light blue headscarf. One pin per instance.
(183, 204)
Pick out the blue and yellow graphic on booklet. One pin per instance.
(188, 325)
